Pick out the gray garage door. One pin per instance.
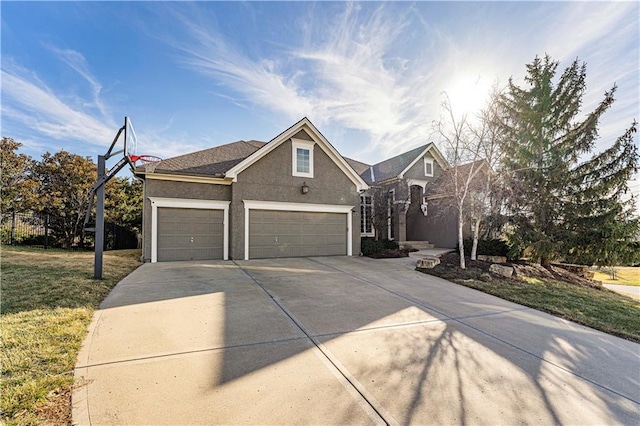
(189, 234)
(291, 234)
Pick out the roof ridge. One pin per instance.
(421, 148)
(201, 150)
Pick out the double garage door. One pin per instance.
(274, 233)
(197, 234)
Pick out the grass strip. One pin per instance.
(48, 300)
(600, 309)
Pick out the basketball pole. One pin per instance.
(98, 190)
(99, 232)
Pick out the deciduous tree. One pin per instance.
(64, 180)
(462, 146)
(16, 183)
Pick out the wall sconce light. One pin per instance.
(305, 188)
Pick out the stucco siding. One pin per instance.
(270, 179)
(439, 227)
(172, 189)
(302, 135)
(417, 170)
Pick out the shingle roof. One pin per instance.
(356, 165)
(213, 161)
(393, 166)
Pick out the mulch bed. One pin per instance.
(390, 254)
(452, 260)
(478, 270)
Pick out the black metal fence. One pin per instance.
(25, 229)
(34, 229)
(118, 237)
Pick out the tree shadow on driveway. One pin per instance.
(416, 348)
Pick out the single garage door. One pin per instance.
(275, 233)
(190, 234)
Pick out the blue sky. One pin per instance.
(369, 75)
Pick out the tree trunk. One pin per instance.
(460, 240)
(476, 232)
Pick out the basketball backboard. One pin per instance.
(130, 139)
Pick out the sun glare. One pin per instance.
(468, 94)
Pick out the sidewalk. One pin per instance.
(624, 289)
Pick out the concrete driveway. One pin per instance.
(340, 340)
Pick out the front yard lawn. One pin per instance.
(626, 275)
(48, 299)
(598, 308)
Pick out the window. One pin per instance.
(302, 158)
(428, 166)
(366, 212)
(391, 200)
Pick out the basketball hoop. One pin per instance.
(145, 159)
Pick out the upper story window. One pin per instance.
(428, 166)
(302, 158)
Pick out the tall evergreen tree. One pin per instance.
(561, 206)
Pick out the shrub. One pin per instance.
(371, 246)
(390, 245)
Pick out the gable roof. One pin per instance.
(397, 166)
(358, 166)
(317, 137)
(209, 162)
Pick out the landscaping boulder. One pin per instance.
(580, 270)
(505, 271)
(427, 263)
(493, 259)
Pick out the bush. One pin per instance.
(390, 245)
(371, 246)
(493, 247)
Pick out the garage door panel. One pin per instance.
(270, 216)
(190, 234)
(291, 234)
(333, 240)
(173, 253)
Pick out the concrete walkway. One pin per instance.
(340, 340)
(624, 289)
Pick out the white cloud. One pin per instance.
(78, 63)
(371, 69)
(350, 79)
(28, 100)
(259, 81)
(44, 114)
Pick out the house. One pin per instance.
(399, 187)
(293, 196)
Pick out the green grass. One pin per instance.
(627, 275)
(48, 299)
(601, 309)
